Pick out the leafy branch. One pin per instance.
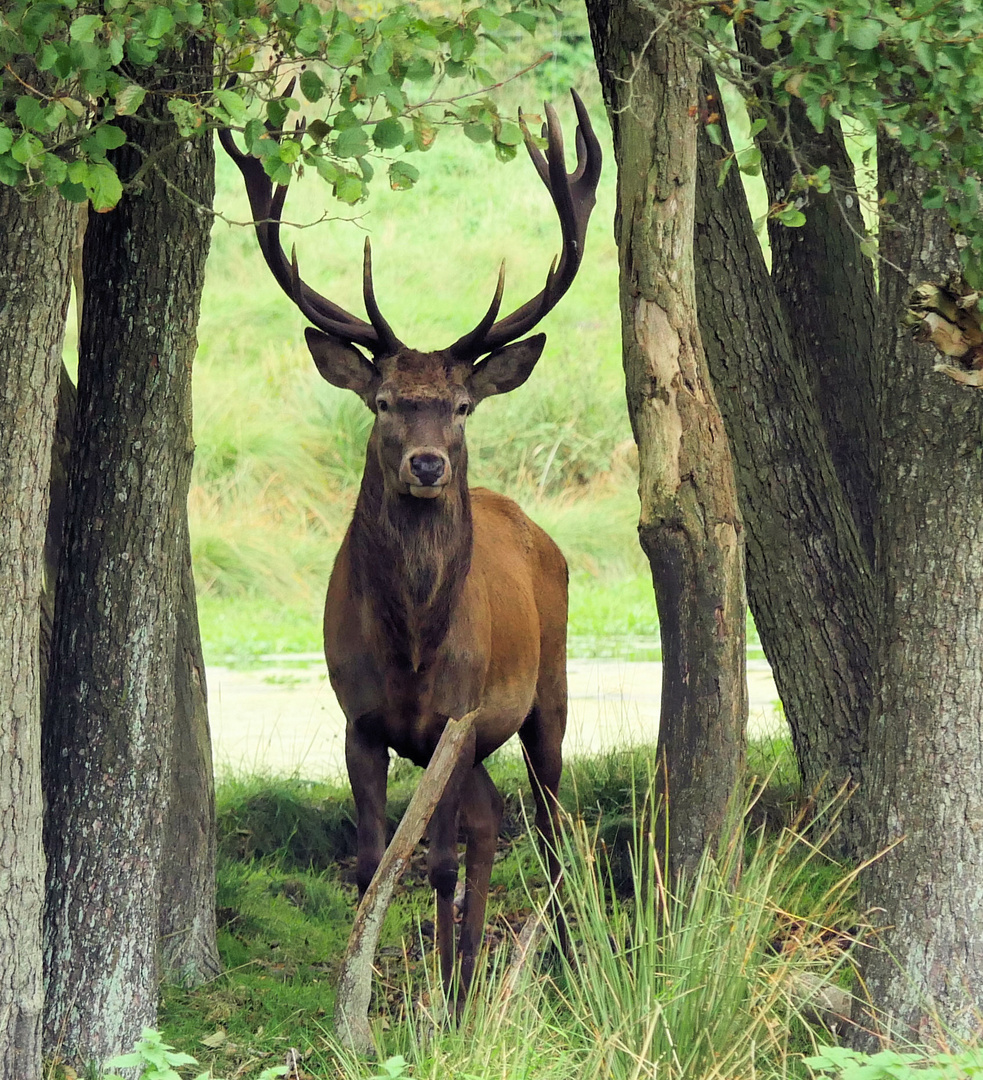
(365, 87)
(907, 70)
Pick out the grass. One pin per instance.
(696, 982)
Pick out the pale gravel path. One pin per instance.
(284, 720)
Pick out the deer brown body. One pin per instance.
(443, 600)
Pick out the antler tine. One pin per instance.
(588, 148)
(266, 205)
(302, 297)
(464, 348)
(573, 197)
(388, 340)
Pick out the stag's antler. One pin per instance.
(574, 197)
(266, 205)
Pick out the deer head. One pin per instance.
(421, 400)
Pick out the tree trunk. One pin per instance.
(34, 290)
(112, 698)
(690, 527)
(922, 784)
(809, 579)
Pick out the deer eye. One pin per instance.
(463, 409)
(382, 405)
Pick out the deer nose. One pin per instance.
(427, 468)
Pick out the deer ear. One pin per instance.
(342, 364)
(506, 368)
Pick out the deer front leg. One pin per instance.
(368, 765)
(482, 808)
(442, 860)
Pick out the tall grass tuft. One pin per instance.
(700, 981)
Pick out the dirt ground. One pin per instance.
(283, 720)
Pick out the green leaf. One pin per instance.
(343, 49)
(714, 134)
(750, 163)
(771, 37)
(792, 218)
(109, 137)
(934, 198)
(73, 192)
(55, 170)
(233, 104)
(388, 134)
(327, 170)
(826, 45)
(6, 138)
(11, 173)
(308, 40)
(424, 133)
(865, 34)
(158, 22)
(129, 99)
(351, 142)
(27, 150)
(349, 189)
(419, 70)
(510, 134)
(381, 59)
(488, 19)
(30, 112)
(402, 175)
(311, 85)
(479, 133)
(768, 10)
(84, 27)
(817, 115)
(186, 116)
(525, 19)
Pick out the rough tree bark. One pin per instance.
(34, 290)
(810, 581)
(690, 526)
(878, 660)
(111, 705)
(922, 781)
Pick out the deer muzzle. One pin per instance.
(426, 472)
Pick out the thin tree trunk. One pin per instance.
(34, 290)
(922, 782)
(690, 526)
(112, 699)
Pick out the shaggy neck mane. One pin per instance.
(409, 559)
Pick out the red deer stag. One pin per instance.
(443, 600)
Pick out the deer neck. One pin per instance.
(410, 558)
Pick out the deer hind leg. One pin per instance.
(482, 808)
(368, 766)
(542, 740)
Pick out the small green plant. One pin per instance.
(394, 1068)
(158, 1060)
(847, 1064)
